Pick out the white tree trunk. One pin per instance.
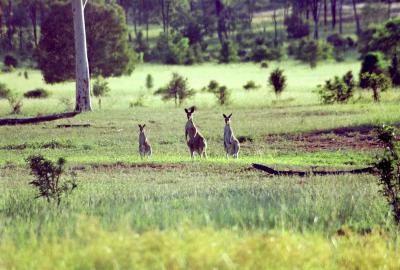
(83, 102)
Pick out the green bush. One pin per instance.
(250, 85)
(5, 92)
(36, 93)
(377, 83)
(15, 104)
(228, 52)
(394, 71)
(212, 86)
(177, 89)
(100, 88)
(173, 49)
(296, 28)
(10, 61)
(337, 90)
(310, 51)
(278, 81)
(264, 64)
(260, 53)
(373, 62)
(149, 82)
(223, 95)
(340, 46)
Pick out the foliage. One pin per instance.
(149, 82)
(373, 13)
(377, 83)
(340, 45)
(260, 53)
(177, 89)
(223, 95)
(296, 28)
(37, 93)
(228, 52)
(48, 180)
(5, 92)
(26, 75)
(310, 51)
(250, 85)
(212, 86)
(15, 104)
(108, 50)
(394, 71)
(373, 62)
(100, 88)
(10, 61)
(264, 64)
(278, 81)
(338, 90)
(388, 166)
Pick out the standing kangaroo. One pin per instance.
(231, 144)
(196, 141)
(144, 145)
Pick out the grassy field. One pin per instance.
(169, 212)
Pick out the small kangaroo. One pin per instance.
(144, 145)
(231, 144)
(196, 141)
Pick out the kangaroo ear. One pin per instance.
(193, 108)
(230, 116)
(144, 125)
(186, 111)
(139, 126)
(224, 115)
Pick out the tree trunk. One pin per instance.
(333, 13)
(275, 29)
(325, 13)
(81, 60)
(341, 16)
(221, 29)
(10, 26)
(315, 8)
(33, 17)
(389, 2)
(356, 18)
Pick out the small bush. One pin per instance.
(278, 81)
(296, 28)
(250, 85)
(10, 61)
(377, 83)
(348, 79)
(37, 93)
(149, 82)
(15, 104)
(337, 90)
(373, 62)
(139, 102)
(212, 86)
(177, 89)
(264, 64)
(340, 46)
(5, 92)
(223, 95)
(310, 51)
(48, 178)
(26, 75)
(100, 88)
(388, 167)
(228, 52)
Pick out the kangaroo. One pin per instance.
(194, 139)
(231, 144)
(144, 145)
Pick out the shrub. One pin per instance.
(26, 75)
(15, 104)
(337, 90)
(264, 64)
(48, 180)
(171, 49)
(250, 85)
(310, 51)
(296, 28)
(139, 102)
(5, 92)
(100, 88)
(149, 82)
(263, 52)
(278, 81)
(228, 52)
(212, 86)
(394, 71)
(10, 61)
(373, 62)
(377, 83)
(36, 93)
(177, 89)
(388, 167)
(340, 46)
(141, 46)
(223, 95)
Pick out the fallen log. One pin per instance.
(309, 173)
(35, 120)
(73, 126)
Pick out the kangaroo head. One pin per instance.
(189, 112)
(141, 127)
(227, 118)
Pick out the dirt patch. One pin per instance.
(358, 138)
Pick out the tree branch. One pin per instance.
(84, 3)
(34, 120)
